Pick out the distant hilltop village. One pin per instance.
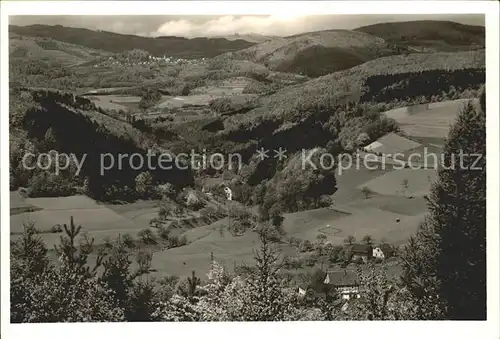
(132, 59)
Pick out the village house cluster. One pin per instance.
(150, 60)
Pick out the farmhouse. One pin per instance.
(360, 251)
(378, 253)
(229, 193)
(345, 282)
(302, 290)
(387, 249)
(383, 251)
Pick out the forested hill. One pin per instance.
(117, 43)
(429, 35)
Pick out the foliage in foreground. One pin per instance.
(447, 256)
(73, 290)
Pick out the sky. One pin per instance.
(204, 25)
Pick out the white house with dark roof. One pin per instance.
(378, 253)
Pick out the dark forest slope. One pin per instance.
(429, 35)
(117, 43)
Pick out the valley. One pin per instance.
(362, 97)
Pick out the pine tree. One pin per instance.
(419, 276)
(449, 251)
(75, 254)
(193, 284)
(458, 206)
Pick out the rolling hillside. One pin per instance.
(116, 43)
(429, 35)
(350, 85)
(316, 53)
(21, 47)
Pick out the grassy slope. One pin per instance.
(433, 122)
(114, 42)
(48, 49)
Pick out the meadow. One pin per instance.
(428, 121)
(386, 216)
(352, 214)
(98, 221)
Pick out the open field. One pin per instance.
(97, 220)
(232, 86)
(378, 223)
(179, 101)
(230, 250)
(196, 255)
(352, 214)
(19, 205)
(337, 224)
(116, 102)
(428, 121)
(392, 183)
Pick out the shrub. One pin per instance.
(366, 192)
(175, 224)
(325, 201)
(367, 239)
(163, 233)
(178, 211)
(149, 98)
(311, 260)
(294, 241)
(182, 241)
(173, 241)
(56, 229)
(305, 246)
(321, 238)
(155, 222)
(143, 184)
(241, 221)
(358, 261)
(147, 236)
(350, 240)
(144, 259)
(166, 190)
(363, 139)
(46, 184)
(208, 213)
(107, 243)
(164, 212)
(128, 240)
(193, 201)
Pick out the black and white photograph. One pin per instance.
(281, 167)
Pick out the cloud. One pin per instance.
(201, 25)
(226, 25)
